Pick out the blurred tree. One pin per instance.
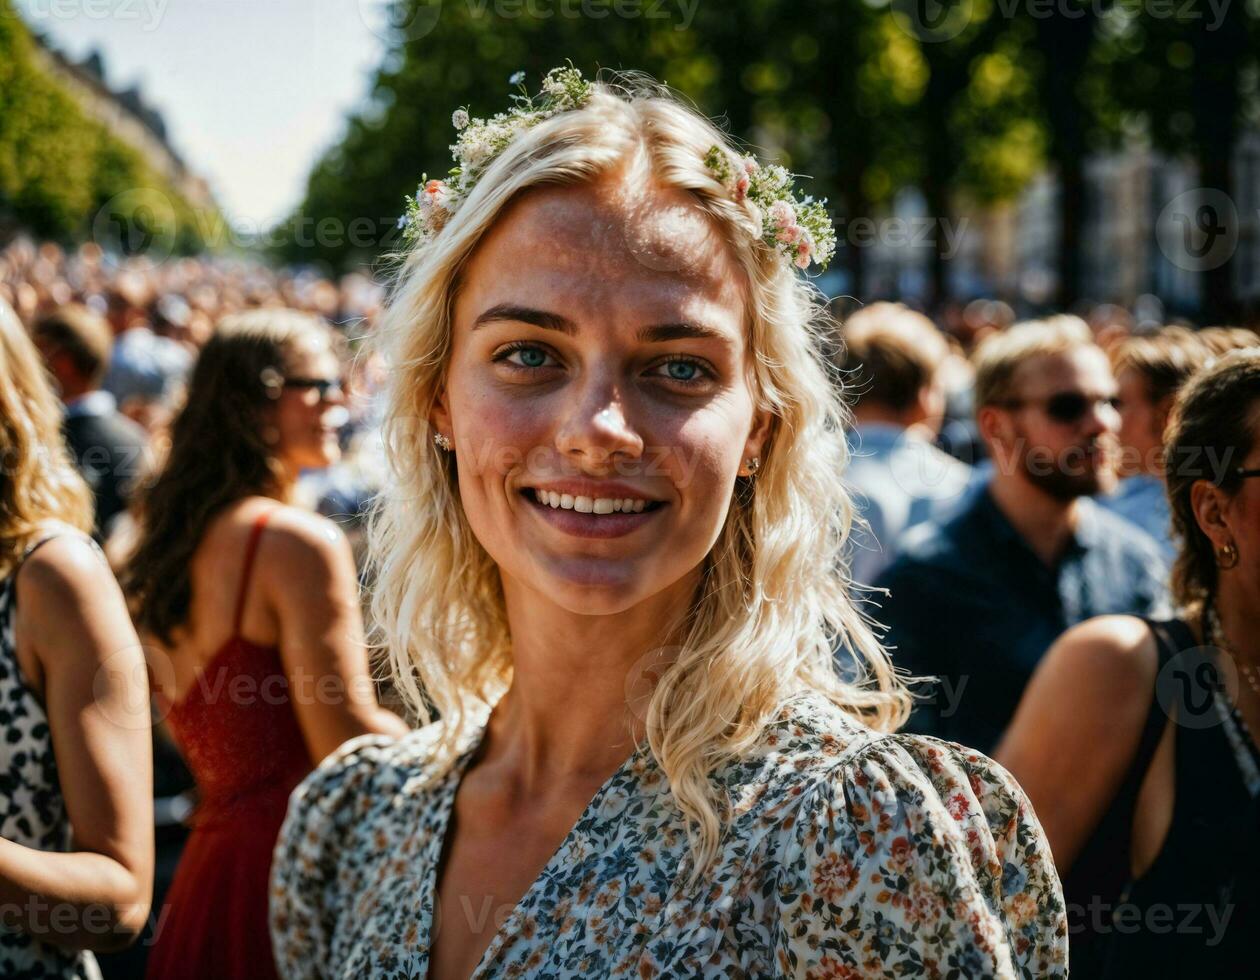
(59, 167)
(1189, 73)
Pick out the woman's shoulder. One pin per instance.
(904, 836)
(357, 773)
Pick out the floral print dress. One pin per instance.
(848, 854)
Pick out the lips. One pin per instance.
(584, 523)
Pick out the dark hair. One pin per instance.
(1212, 430)
(217, 456)
(1165, 359)
(84, 336)
(890, 354)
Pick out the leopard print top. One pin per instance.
(32, 811)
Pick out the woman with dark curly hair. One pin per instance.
(1158, 836)
(257, 645)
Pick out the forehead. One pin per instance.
(1082, 369)
(604, 252)
(312, 351)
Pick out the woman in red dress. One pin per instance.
(249, 606)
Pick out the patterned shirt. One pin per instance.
(848, 853)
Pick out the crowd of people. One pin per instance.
(700, 638)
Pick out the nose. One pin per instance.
(595, 428)
(1102, 417)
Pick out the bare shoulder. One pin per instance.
(64, 572)
(302, 551)
(293, 532)
(1108, 656)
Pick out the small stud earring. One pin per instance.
(442, 441)
(753, 464)
(1227, 555)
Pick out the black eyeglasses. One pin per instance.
(1066, 406)
(327, 387)
(1246, 474)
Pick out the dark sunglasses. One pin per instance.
(327, 387)
(1066, 406)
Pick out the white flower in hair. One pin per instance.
(480, 141)
(797, 227)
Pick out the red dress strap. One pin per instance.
(254, 534)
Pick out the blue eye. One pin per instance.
(522, 355)
(681, 370)
(684, 370)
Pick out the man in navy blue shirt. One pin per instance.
(976, 601)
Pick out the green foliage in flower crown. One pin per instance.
(798, 228)
(481, 140)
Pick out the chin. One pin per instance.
(591, 586)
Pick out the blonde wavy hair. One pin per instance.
(774, 604)
(40, 482)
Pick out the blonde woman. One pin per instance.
(609, 564)
(76, 822)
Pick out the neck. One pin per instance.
(580, 683)
(1044, 522)
(1239, 610)
(872, 414)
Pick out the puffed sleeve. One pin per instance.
(919, 858)
(305, 889)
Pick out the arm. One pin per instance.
(310, 578)
(1088, 700)
(71, 614)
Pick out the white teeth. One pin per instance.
(590, 505)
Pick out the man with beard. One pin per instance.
(977, 600)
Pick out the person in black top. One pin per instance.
(1135, 738)
(108, 448)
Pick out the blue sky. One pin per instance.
(252, 91)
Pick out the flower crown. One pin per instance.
(797, 227)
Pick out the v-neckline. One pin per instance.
(437, 842)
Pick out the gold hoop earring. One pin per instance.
(1227, 555)
(443, 442)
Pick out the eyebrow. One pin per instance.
(656, 333)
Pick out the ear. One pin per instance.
(1162, 409)
(758, 439)
(1208, 503)
(994, 425)
(440, 415)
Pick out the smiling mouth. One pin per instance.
(590, 505)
